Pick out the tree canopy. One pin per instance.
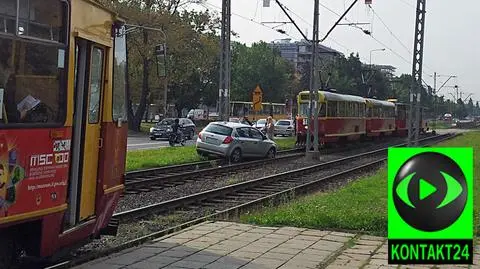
(193, 60)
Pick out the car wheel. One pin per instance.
(271, 153)
(153, 138)
(236, 156)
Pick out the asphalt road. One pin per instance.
(142, 141)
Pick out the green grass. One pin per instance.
(144, 159)
(361, 205)
(285, 144)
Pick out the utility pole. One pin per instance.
(314, 80)
(434, 100)
(415, 94)
(225, 62)
(313, 84)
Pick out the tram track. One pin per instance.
(250, 187)
(172, 176)
(154, 179)
(198, 181)
(231, 200)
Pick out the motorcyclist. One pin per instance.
(176, 129)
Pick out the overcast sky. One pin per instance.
(451, 39)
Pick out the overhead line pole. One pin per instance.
(314, 80)
(225, 63)
(415, 94)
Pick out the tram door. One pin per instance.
(89, 88)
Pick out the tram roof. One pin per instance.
(376, 102)
(325, 96)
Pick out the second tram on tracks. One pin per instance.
(343, 117)
(63, 124)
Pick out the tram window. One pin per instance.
(7, 16)
(120, 75)
(341, 109)
(332, 109)
(322, 113)
(44, 19)
(96, 75)
(33, 79)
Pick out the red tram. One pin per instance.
(349, 118)
(63, 130)
(380, 117)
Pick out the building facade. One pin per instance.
(299, 52)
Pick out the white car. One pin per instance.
(284, 128)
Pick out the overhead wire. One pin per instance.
(309, 24)
(388, 28)
(245, 18)
(383, 44)
(272, 28)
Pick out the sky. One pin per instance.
(450, 46)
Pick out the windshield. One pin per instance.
(219, 129)
(166, 122)
(261, 121)
(303, 110)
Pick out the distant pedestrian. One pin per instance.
(270, 128)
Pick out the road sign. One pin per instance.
(257, 99)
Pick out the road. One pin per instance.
(142, 141)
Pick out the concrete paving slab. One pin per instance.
(224, 245)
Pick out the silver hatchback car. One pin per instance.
(234, 141)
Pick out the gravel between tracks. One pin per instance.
(130, 231)
(133, 201)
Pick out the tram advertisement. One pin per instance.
(33, 170)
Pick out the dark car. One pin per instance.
(163, 128)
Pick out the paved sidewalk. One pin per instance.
(225, 245)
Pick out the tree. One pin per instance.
(189, 37)
(260, 65)
(471, 107)
(461, 110)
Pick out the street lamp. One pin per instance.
(371, 54)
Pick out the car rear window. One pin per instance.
(219, 129)
(284, 123)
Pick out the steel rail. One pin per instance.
(182, 167)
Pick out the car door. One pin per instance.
(259, 148)
(246, 142)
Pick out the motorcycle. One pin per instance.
(174, 138)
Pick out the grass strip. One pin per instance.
(144, 159)
(361, 205)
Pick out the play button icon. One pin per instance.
(426, 189)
